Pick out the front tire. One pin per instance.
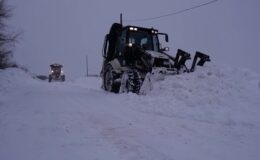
(131, 82)
(50, 78)
(63, 78)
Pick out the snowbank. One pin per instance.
(11, 78)
(212, 113)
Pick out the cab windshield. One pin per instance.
(145, 40)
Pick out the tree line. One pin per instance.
(7, 38)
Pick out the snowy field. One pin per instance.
(211, 114)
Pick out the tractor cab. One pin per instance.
(145, 38)
(56, 73)
(124, 41)
(56, 69)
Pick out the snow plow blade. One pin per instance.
(199, 59)
(180, 59)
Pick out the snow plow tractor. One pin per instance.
(56, 73)
(133, 57)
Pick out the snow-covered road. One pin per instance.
(211, 114)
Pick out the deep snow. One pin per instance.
(211, 114)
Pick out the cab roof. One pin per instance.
(135, 28)
(56, 65)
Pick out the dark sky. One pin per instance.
(65, 31)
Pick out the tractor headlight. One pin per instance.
(130, 44)
(154, 31)
(133, 29)
(61, 72)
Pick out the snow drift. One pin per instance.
(212, 113)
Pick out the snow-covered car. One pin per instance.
(56, 73)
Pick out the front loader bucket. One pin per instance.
(180, 59)
(199, 59)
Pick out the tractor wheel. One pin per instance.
(134, 81)
(63, 78)
(108, 80)
(50, 78)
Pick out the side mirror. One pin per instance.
(165, 35)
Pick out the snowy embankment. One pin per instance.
(212, 113)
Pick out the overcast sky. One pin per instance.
(65, 31)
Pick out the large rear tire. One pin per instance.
(109, 81)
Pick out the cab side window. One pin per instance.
(121, 43)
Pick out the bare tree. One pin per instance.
(7, 39)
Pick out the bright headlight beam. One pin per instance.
(130, 44)
(133, 29)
